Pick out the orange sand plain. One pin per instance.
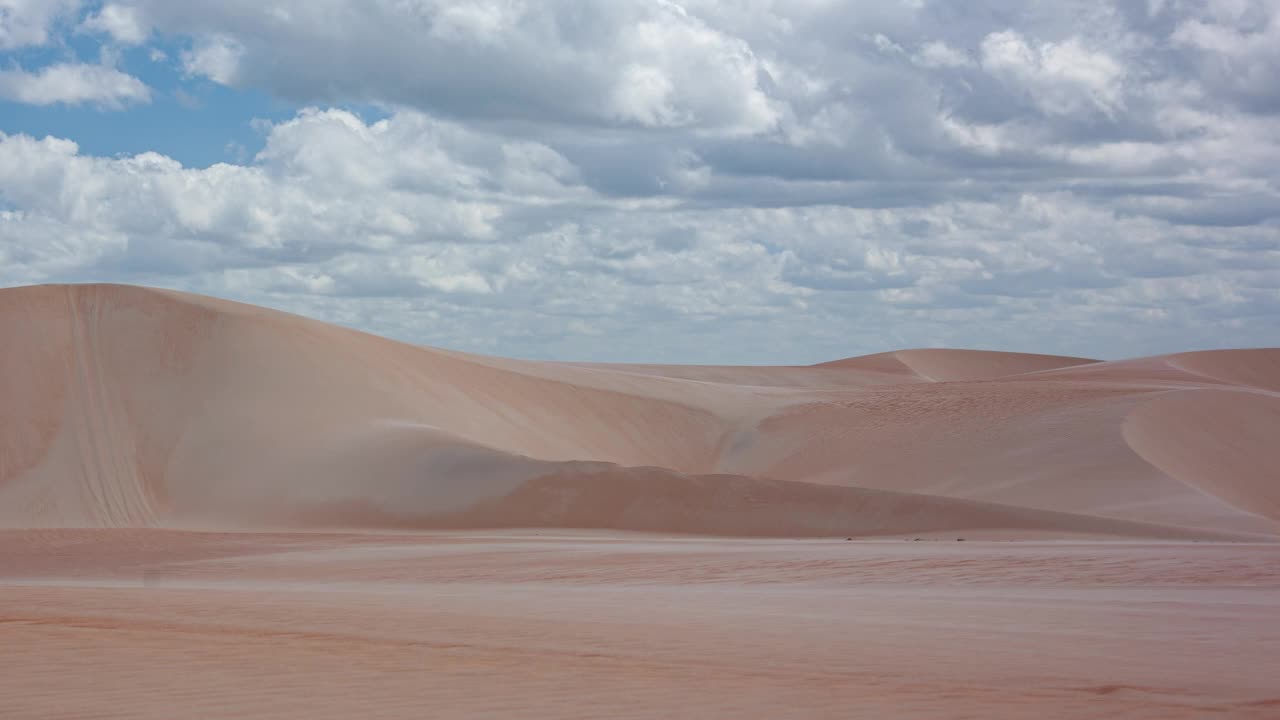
(210, 509)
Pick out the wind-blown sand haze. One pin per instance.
(214, 509)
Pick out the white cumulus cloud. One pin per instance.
(29, 22)
(216, 57)
(121, 22)
(73, 84)
(1061, 78)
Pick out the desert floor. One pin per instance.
(565, 624)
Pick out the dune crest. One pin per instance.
(134, 407)
(943, 365)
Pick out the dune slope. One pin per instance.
(134, 407)
(1217, 441)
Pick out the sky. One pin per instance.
(708, 181)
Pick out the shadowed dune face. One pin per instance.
(1244, 368)
(1222, 443)
(953, 365)
(131, 407)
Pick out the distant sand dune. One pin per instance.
(940, 365)
(133, 407)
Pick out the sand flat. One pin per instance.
(589, 624)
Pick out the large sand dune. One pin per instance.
(216, 510)
(134, 407)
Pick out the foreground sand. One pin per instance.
(161, 624)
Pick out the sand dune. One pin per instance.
(133, 407)
(941, 365)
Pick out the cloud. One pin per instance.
(937, 54)
(29, 22)
(1059, 78)
(630, 63)
(217, 57)
(73, 84)
(121, 22)
(1236, 47)
(326, 183)
(438, 233)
